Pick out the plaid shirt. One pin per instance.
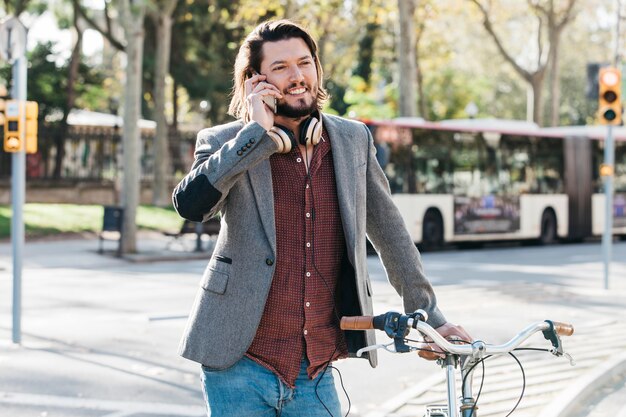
(300, 317)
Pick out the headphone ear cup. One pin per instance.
(311, 131)
(285, 137)
(305, 131)
(316, 134)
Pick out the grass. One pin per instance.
(53, 219)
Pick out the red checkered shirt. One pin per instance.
(300, 317)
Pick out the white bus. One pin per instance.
(486, 180)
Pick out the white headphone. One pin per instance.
(310, 133)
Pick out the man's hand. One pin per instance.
(450, 331)
(257, 88)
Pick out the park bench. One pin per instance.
(210, 228)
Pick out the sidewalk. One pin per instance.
(100, 333)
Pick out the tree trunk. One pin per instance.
(162, 166)
(133, 16)
(406, 58)
(536, 84)
(72, 75)
(555, 80)
(175, 106)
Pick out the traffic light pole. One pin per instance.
(18, 193)
(607, 236)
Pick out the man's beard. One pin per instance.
(287, 110)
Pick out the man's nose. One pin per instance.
(295, 74)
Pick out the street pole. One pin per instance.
(18, 193)
(607, 236)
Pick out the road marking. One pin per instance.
(121, 408)
(120, 414)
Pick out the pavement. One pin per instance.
(100, 333)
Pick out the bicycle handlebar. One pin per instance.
(476, 348)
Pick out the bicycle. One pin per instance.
(457, 354)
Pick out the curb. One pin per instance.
(579, 395)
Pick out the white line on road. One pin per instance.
(120, 414)
(122, 408)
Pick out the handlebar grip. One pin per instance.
(357, 323)
(563, 329)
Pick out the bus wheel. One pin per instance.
(548, 228)
(432, 232)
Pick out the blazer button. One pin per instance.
(239, 152)
(269, 261)
(252, 140)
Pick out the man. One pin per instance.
(297, 191)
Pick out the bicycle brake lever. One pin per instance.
(556, 353)
(361, 351)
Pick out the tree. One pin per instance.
(132, 16)
(548, 19)
(406, 57)
(161, 14)
(555, 20)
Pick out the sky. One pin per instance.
(44, 28)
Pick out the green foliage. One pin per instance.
(367, 102)
(47, 81)
(205, 41)
(49, 219)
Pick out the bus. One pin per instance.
(492, 180)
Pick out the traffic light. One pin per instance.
(609, 97)
(18, 137)
(12, 127)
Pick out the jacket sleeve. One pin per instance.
(223, 154)
(398, 253)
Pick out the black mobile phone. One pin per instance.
(269, 100)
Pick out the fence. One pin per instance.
(95, 154)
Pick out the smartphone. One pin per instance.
(269, 100)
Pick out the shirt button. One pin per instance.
(307, 304)
(308, 214)
(269, 261)
(306, 332)
(299, 160)
(308, 245)
(308, 274)
(307, 186)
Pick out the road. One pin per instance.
(100, 334)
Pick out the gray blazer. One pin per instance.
(231, 175)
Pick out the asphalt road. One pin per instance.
(99, 334)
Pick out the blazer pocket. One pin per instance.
(215, 278)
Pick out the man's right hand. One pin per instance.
(256, 90)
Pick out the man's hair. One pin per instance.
(251, 54)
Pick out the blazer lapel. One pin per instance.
(261, 179)
(344, 164)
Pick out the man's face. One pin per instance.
(289, 66)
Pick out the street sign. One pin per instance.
(12, 39)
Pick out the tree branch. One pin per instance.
(106, 33)
(489, 27)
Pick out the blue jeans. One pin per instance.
(248, 389)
